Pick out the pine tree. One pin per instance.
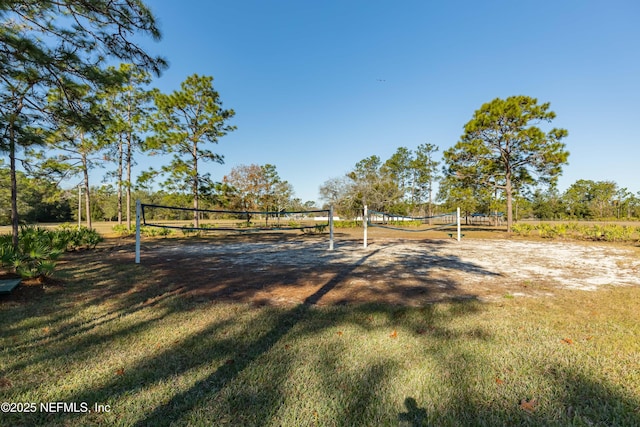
(502, 148)
(184, 122)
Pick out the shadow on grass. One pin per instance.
(414, 415)
(285, 321)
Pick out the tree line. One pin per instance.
(401, 185)
(392, 187)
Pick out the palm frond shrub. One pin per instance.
(39, 248)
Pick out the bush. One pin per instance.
(617, 233)
(159, 231)
(123, 231)
(522, 229)
(78, 237)
(37, 251)
(609, 232)
(39, 248)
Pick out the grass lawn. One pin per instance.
(120, 339)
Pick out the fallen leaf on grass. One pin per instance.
(567, 341)
(394, 334)
(528, 405)
(120, 371)
(339, 333)
(499, 381)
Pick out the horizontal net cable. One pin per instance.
(410, 218)
(234, 212)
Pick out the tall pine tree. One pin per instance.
(184, 122)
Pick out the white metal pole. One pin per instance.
(458, 221)
(365, 220)
(138, 213)
(331, 227)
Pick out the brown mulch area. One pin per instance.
(29, 288)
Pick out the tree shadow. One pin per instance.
(293, 273)
(341, 276)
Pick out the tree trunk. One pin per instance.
(195, 185)
(128, 182)
(14, 188)
(87, 198)
(508, 193)
(128, 161)
(430, 214)
(120, 173)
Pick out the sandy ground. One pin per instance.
(407, 272)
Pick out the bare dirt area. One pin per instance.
(293, 269)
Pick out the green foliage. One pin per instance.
(347, 224)
(158, 231)
(39, 200)
(547, 231)
(572, 230)
(617, 233)
(522, 229)
(78, 237)
(122, 230)
(412, 223)
(128, 103)
(39, 248)
(320, 228)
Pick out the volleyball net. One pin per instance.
(412, 224)
(192, 220)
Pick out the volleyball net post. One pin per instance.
(138, 210)
(365, 221)
(458, 222)
(331, 227)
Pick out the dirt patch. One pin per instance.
(285, 269)
(293, 270)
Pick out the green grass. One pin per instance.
(125, 339)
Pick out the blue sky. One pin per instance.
(319, 85)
